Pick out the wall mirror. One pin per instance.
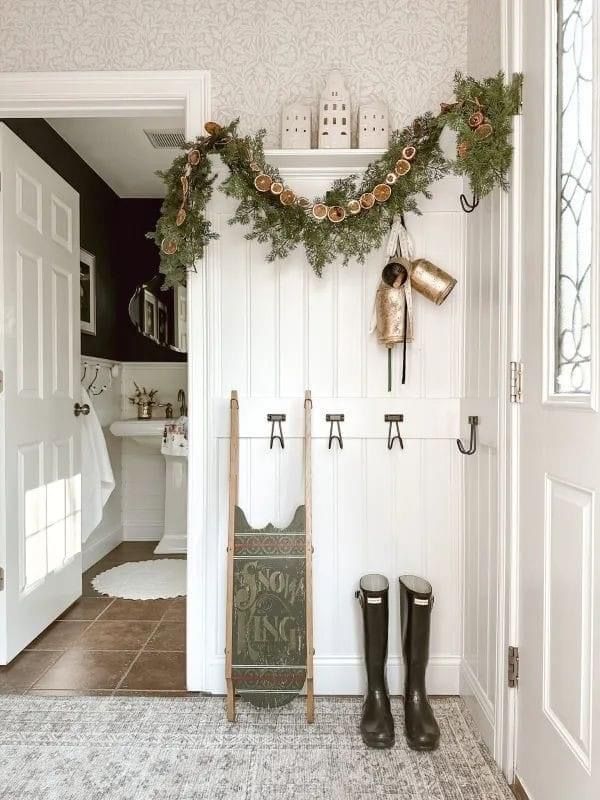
(160, 313)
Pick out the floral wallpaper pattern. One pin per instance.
(261, 53)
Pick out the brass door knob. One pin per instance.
(78, 409)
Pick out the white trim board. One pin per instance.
(143, 93)
(93, 553)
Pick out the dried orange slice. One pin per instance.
(287, 197)
(401, 167)
(168, 246)
(212, 128)
(382, 192)
(263, 182)
(276, 187)
(194, 157)
(367, 200)
(409, 152)
(319, 211)
(391, 178)
(483, 131)
(353, 206)
(476, 119)
(336, 214)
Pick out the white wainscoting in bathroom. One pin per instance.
(143, 477)
(108, 408)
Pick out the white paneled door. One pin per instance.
(40, 540)
(558, 751)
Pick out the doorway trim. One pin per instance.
(511, 230)
(134, 94)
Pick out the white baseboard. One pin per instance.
(346, 676)
(143, 532)
(479, 705)
(92, 553)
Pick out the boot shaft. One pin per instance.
(374, 600)
(416, 603)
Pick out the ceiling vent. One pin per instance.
(172, 139)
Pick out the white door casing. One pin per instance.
(559, 601)
(40, 481)
(145, 93)
(274, 329)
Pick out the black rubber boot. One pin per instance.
(416, 603)
(377, 723)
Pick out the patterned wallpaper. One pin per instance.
(261, 53)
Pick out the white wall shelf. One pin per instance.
(347, 161)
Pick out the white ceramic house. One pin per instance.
(334, 113)
(373, 124)
(296, 126)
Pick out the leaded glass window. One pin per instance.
(574, 195)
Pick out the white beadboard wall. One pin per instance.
(482, 368)
(276, 329)
(482, 334)
(135, 510)
(143, 486)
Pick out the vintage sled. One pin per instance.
(269, 636)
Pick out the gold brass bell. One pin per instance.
(432, 282)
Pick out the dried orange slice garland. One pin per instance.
(413, 161)
(381, 192)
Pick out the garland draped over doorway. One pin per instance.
(355, 214)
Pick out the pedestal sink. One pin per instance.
(149, 433)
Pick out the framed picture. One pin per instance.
(163, 323)
(150, 315)
(87, 289)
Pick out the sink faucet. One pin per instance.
(181, 401)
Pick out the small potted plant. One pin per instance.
(144, 400)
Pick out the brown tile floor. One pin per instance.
(105, 646)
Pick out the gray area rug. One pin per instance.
(139, 748)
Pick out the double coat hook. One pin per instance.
(335, 437)
(276, 419)
(469, 205)
(473, 422)
(394, 419)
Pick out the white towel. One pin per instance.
(97, 479)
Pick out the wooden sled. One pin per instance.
(269, 635)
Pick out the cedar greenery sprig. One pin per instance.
(481, 116)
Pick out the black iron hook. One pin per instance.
(276, 419)
(473, 422)
(337, 437)
(469, 205)
(394, 419)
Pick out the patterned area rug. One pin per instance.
(122, 748)
(144, 580)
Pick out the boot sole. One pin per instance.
(378, 745)
(423, 748)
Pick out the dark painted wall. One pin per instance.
(139, 260)
(114, 231)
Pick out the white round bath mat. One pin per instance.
(144, 580)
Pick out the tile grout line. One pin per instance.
(128, 670)
(62, 652)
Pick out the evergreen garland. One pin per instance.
(481, 116)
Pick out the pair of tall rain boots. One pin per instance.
(416, 603)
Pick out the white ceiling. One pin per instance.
(119, 151)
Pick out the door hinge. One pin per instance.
(1, 579)
(513, 667)
(516, 381)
